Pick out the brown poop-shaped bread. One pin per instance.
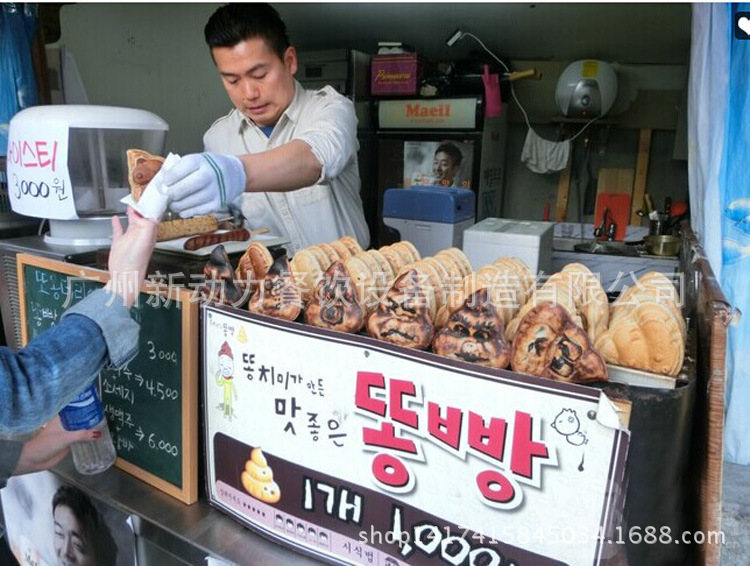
(220, 279)
(142, 166)
(474, 333)
(403, 315)
(549, 344)
(334, 303)
(278, 295)
(253, 265)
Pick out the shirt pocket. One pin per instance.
(316, 194)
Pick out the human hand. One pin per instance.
(50, 445)
(200, 183)
(129, 255)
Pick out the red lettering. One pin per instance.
(362, 398)
(41, 151)
(495, 487)
(13, 156)
(385, 437)
(54, 156)
(447, 110)
(489, 440)
(27, 147)
(390, 470)
(397, 389)
(434, 111)
(524, 448)
(412, 110)
(447, 430)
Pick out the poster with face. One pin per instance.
(53, 523)
(445, 163)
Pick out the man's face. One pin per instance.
(443, 168)
(72, 547)
(260, 85)
(226, 366)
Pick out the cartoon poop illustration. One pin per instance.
(567, 424)
(257, 478)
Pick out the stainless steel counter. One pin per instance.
(169, 532)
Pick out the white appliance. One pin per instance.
(586, 89)
(430, 217)
(530, 241)
(68, 164)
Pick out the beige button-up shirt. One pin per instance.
(323, 212)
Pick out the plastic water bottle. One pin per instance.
(85, 412)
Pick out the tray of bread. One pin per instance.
(196, 236)
(561, 327)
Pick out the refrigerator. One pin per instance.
(418, 140)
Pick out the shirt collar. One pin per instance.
(291, 113)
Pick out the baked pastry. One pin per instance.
(253, 265)
(142, 167)
(335, 302)
(220, 283)
(307, 271)
(181, 227)
(646, 329)
(352, 244)
(474, 333)
(548, 344)
(403, 315)
(278, 294)
(592, 303)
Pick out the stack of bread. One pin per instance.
(646, 330)
(412, 300)
(350, 288)
(576, 290)
(509, 282)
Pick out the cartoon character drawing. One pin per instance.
(257, 479)
(567, 424)
(225, 378)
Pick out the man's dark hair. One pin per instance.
(97, 532)
(234, 23)
(451, 151)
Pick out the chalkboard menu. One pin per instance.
(150, 403)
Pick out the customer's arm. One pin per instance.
(50, 445)
(37, 381)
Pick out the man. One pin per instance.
(290, 154)
(446, 164)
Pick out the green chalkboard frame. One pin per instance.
(187, 492)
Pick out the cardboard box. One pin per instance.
(396, 74)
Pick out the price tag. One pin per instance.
(38, 179)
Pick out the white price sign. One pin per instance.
(38, 179)
(344, 446)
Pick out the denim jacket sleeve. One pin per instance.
(10, 452)
(38, 380)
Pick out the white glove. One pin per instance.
(200, 183)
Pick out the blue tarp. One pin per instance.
(17, 85)
(734, 181)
